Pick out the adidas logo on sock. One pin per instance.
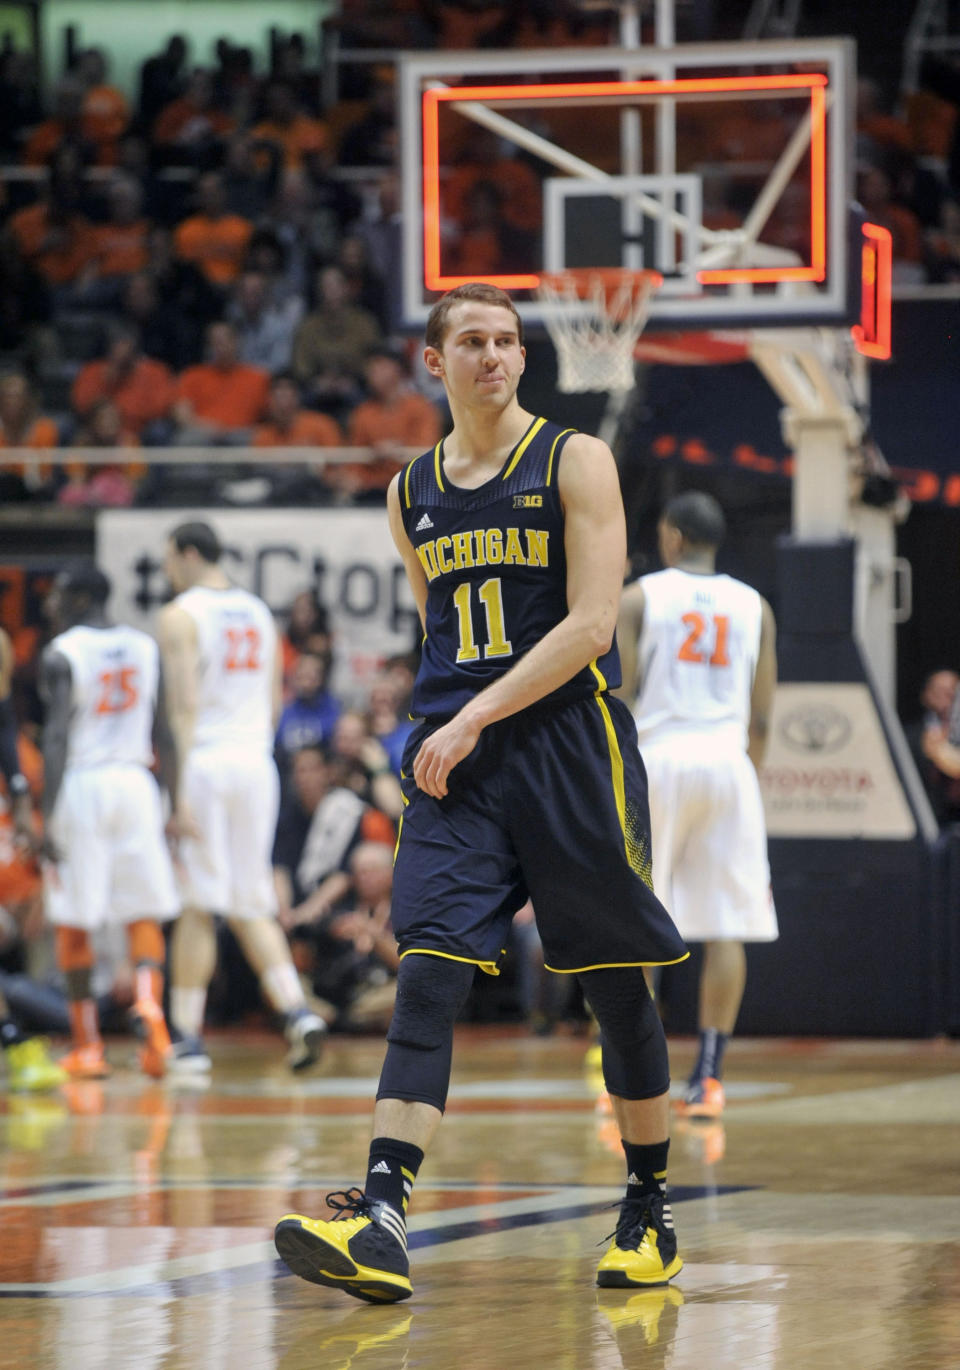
(425, 522)
(632, 1178)
(381, 1168)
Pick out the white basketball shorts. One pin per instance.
(710, 864)
(115, 866)
(234, 799)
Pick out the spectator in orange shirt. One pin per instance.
(53, 236)
(220, 400)
(212, 239)
(22, 425)
(482, 160)
(488, 242)
(121, 245)
(64, 127)
(287, 126)
(288, 424)
(192, 124)
(106, 113)
(142, 390)
(394, 418)
(111, 484)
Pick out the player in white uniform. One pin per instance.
(105, 851)
(699, 668)
(224, 672)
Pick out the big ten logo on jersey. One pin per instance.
(706, 640)
(528, 501)
(119, 690)
(242, 646)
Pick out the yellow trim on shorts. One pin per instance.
(525, 442)
(553, 449)
(437, 466)
(616, 965)
(616, 756)
(488, 967)
(396, 845)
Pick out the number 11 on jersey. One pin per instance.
(490, 595)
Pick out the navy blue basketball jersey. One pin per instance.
(496, 572)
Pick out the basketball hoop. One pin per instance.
(594, 316)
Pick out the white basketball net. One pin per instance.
(595, 327)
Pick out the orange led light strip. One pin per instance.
(812, 82)
(873, 334)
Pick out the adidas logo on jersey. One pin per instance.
(425, 522)
(381, 1168)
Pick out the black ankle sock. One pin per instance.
(391, 1171)
(710, 1060)
(646, 1168)
(10, 1034)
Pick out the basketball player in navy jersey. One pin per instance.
(522, 780)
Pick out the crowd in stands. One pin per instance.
(217, 261)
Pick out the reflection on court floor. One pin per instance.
(137, 1218)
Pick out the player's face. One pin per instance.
(481, 360)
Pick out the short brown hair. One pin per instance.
(477, 291)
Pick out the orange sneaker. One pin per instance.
(704, 1099)
(86, 1063)
(149, 1025)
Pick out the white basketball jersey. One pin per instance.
(697, 655)
(114, 675)
(237, 641)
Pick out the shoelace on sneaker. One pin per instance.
(355, 1204)
(636, 1216)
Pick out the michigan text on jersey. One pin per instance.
(484, 547)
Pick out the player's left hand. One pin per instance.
(443, 750)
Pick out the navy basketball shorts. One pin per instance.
(552, 805)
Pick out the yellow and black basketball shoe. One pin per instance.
(644, 1246)
(363, 1250)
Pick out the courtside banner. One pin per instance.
(828, 771)
(347, 554)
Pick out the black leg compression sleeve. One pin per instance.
(431, 991)
(634, 1047)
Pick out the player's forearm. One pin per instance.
(564, 651)
(945, 756)
(182, 727)
(55, 740)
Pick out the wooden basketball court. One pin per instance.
(820, 1222)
